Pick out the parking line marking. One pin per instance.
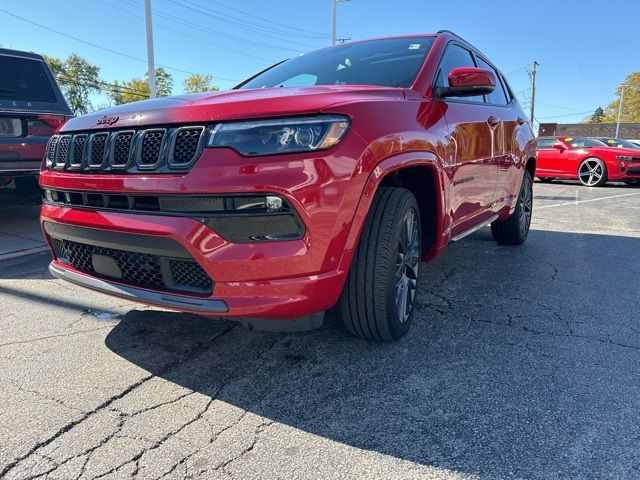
(564, 204)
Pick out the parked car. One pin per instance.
(31, 109)
(588, 160)
(618, 143)
(322, 180)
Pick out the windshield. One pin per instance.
(393, 62)
(576, 142)
(617, 142)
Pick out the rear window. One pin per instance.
(24, 79)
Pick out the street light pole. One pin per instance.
(333, 31)
(334, 36)
(150, 61)
(533, 90)
(620, 108)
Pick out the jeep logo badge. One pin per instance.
(108, 120)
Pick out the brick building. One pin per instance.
(627, 130)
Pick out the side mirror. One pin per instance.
(559, 146)
(468, 82)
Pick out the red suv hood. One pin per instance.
(229, 105)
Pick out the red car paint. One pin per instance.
(563, 160)
(475, 154)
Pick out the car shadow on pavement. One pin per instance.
(521, 362)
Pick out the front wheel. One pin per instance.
(378, 298)
(592, 172)
(515, 229)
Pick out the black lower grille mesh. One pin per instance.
(140, 269)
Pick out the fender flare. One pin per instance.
(390, 165)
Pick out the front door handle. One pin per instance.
(493, 121)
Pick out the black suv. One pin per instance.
(31, 110)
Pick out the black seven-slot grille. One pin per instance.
(134, 150)
(137, 268)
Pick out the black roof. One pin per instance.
(18, 53)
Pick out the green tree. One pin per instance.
(197, 83)
(138, 89)
(78, 79)
(596, 116)
(630, 104)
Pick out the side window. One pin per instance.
(546, 142)
(498, 96)
(455, 56)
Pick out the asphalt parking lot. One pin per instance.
(522, 363)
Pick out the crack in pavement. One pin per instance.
(37, 339)
(190, 353)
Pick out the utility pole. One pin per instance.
(533, 90)
(150, 62)
(334, 37)
(620, 108)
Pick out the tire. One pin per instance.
(592, 172)
(515, 229)
(545, 179)
(380, 272)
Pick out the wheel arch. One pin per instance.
(421, 174)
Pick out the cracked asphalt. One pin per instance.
(521, 363)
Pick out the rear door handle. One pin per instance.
(493, 121)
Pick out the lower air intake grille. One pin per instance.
(140, 269)
(189, 274)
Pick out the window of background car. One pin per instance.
(576, 142)
(24, 79)
(393, 62)
(546, 142)
(617, 142)
(498, 96)
(455, 56)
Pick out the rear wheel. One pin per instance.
(592, 172)
(515, 229)
(378, 298)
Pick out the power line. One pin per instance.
(321, 35)
(91, 43)
(219, 34)
(100, 84)
(187, 23)
(193, 37)
(243, 24)
(559, 107)
(567, 115)
(521, 69)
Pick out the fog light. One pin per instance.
(273, 203)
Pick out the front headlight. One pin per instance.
(624, 158)
(284, 135)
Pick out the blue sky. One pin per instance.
(585, 48)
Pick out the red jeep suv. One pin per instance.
(321, 181)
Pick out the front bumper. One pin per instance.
(249, 280)
(272, 280)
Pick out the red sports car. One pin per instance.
(586, 159)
